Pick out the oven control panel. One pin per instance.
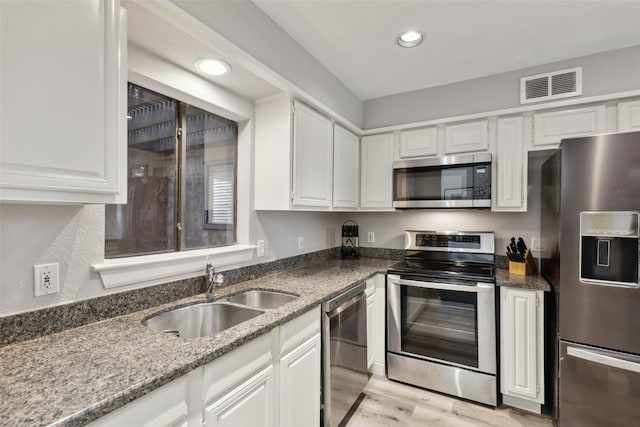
(450, 241)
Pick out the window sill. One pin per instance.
(162, 268)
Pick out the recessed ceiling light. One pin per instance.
(213, 67)
(410, 38)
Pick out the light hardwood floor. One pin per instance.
(388, 403)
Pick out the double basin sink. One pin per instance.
(210, 318)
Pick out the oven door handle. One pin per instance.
(479, 287)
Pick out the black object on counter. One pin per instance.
(517, 250)
(350, 240)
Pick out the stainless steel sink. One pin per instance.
(265, 300)
(200, 320)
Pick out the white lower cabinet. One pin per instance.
(299, 366)
(169, 405)
(371, 334)
(249, 404)
(271, 381)
(522, 348)
(376, 324)
(239, 387)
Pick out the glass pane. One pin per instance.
(440, 324)
(210, 204)
(146, 224)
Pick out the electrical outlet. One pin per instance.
(45, 278)
(260, 248)
(300, 242)
(371, 237)
(538, 244)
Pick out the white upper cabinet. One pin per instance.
(419, 142)
(294, 158)
(346, 168)
(466, 137)
(312, 157)
(629, 116)
(549, 128)
(376, 172)
(511, 165)
(63, 97)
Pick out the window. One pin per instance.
(181, 181)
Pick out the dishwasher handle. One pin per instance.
(345, 305)
(337, 301)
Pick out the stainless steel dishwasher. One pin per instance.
(344, 353)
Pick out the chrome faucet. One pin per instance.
(214, 280)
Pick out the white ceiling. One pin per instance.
(155, 34)
(355, 40)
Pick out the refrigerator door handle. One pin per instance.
(603, 359)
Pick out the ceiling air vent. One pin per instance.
(544, 87)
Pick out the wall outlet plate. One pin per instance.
(300, 242)
(371, 237)
(45, 278)
(538, 244)
(260, 248)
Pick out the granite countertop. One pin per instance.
(73, 377)
(534, 281)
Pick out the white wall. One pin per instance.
(603, 73)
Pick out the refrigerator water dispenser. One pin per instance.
(609, 248)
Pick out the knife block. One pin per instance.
(523, 268)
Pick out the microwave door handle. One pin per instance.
(478, 288)
(603, 359)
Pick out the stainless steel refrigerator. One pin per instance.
(590, 216)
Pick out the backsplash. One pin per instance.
(36, 323)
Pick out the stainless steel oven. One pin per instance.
(441, 314)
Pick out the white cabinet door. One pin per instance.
(272, 152)
(63, 97)
(346, 168)
(250, 404)
(300, 350)
(300, 385)
(313, 158)
(239, 387)
(629, 116)
(466, 137)
(376, 172)
(549, 128)
(371, 331)
(511, 165)
(419, 142)
(376, 325)
(522, 345)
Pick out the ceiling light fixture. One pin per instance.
(213, 67)
(410, 38)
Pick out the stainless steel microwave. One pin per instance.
(462, 181)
